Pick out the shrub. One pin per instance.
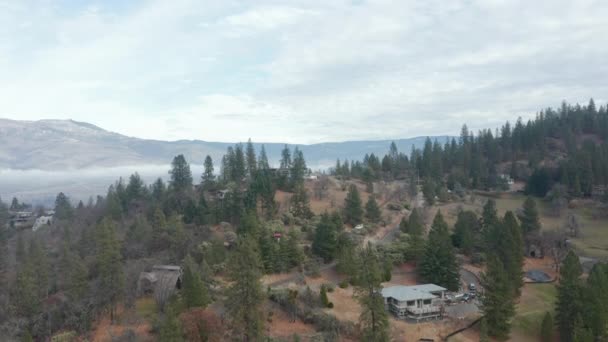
(343, 284)
(330, 305)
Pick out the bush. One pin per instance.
(330, 305)
(343, 284)
(330, 287)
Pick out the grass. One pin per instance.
(593, 241)
(536, 300)
(146, 308)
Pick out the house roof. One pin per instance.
(405, 293)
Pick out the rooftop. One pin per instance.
(405, 293)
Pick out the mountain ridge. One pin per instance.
(54, 144)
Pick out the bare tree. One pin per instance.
(573, 225)
(554, 243)
(321, 187)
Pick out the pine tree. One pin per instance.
(353, 211)
(170, 330)
(497, 303)
(546, 330)
(300, 203)
(324, 242)
(438, 265)
(414, 225)
(511, 251)
(208, 177)
(245, 295)
(298, 169)
(483, 330)
(194, 291)
(530, 222)
(238, 166)
(465, 230)
(263, 160)
(250, 159)
(373, 318)
(63, 207)
(323, 296)
(109, 263)
(596, 297)
(372, 210)
(569, 297)
(181, 176)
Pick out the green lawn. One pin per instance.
(593, 241)
(536, 300)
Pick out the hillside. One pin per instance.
(66, 144)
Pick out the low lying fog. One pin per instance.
(41, 187)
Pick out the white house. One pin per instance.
(41, 221)
(415, 302)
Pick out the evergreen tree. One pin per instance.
(38, 258)
(300, 203)
(465, 230)
(194, 291)
(347, 257)
(135, 190)
(483, 330)
(170, 330)
(372, 210)
(208, 177)
(438, 265)
(428, 190)
(109, 264)
(263, 160)
(238, 164)
(298, 169)
(373, 318)
(596, 296)
(20, 251)
(546, 330)
(245, 295)
(497, 303)
(414, 225)
(323, 296)
(510, 249)
(250, 159)
(26, 293)
(324, 242)
(63, 207)
(530, 222)
(569, 297)
(181, 176)
(158, 190)
(353, 211)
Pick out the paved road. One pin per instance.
(467, 277)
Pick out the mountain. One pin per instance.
(66, 144)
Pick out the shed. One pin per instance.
(162, 278)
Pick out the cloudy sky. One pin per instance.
(299, 71)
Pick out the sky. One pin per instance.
(301, 71)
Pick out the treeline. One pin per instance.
(87, 264)
(566, 146)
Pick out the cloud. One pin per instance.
(298, 71)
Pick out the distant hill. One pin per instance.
(66, 144)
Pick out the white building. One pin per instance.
(415, 302)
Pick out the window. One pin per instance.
(410, 303)
(427, 302)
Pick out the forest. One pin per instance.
(225, 229)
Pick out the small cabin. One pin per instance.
(161, 278)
